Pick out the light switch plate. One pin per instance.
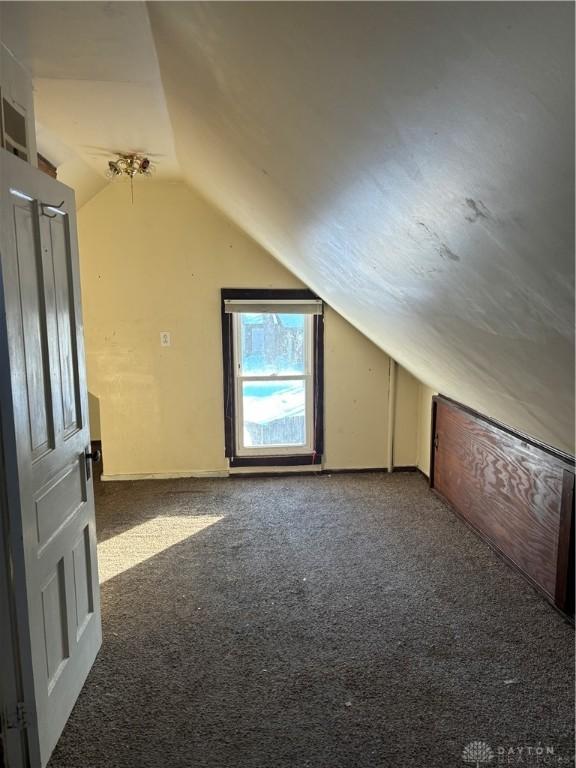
(165, 340)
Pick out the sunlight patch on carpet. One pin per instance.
(140, 543)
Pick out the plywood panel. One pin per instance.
(508, 488)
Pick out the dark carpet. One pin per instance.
(325, 622)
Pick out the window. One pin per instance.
(272, 342)
(13, 129)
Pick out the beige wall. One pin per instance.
(406, 419)
(356, 397)
(424, 425)
(159, 265)
(94, 415)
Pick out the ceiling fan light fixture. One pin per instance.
(129, 164)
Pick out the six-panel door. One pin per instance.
(49, 399)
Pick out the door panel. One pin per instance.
(58, 501)
(33, 313)
(49, 407)
(83, 586)
(55, 623)
(66, 324)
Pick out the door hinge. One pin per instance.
(436, 442)
(18, 720)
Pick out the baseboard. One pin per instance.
(407, 468)
(355, 470)
(296, 472)
(248, 472)
(301, 472)
(166, 475)
(263, 471)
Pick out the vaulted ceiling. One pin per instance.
(412, 162)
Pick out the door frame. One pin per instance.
(14, 741)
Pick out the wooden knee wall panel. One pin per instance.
(515, 492)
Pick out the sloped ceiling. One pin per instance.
(412, 162)
(97, 86)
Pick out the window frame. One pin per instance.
(241, 456)
(7, 141)
(307, 377)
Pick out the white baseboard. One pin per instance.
(206, 473)
(343, 470)
(167, 475)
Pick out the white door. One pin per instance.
(50, 493)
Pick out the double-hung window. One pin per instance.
(272, 343)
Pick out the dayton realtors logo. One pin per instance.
(479, 753)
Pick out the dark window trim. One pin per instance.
(296, 460)
(267, 294)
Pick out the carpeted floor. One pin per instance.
(343, 621)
